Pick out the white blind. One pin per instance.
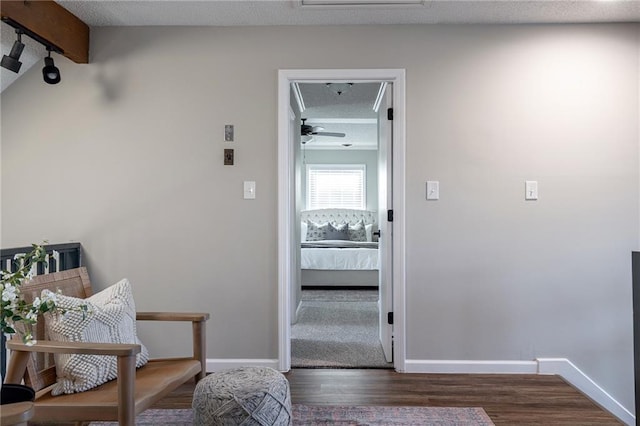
(336, 186)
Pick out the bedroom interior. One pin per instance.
(336, 321)
(498, 93)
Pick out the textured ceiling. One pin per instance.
(293, 12)
(350, 112)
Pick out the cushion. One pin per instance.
(337, 232)
(303, 231)
(316, 232)
(358, 231)
(110, 318)
(369, 230)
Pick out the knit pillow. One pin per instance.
(110, 318)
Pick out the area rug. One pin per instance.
(310, 415)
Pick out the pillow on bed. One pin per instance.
(303, 231)
(337, 232)
(358, 232)
(369, 231)
(316, 232)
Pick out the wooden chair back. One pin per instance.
(41, 370)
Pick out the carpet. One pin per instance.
(342, 334)
(310, 415)
(323, 295)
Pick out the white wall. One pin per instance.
(125, 155)
(357, 156)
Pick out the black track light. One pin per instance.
(50, 72)
(12, 62)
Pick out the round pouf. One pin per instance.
(248, 396)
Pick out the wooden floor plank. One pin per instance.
(509, 399)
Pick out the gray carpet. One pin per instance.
(337, 334)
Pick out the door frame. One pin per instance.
(286, 199)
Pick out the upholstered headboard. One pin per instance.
(350, 216)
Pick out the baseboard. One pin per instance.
(572, 374)
(223, 364)
(471, 367)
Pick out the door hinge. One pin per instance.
(389, 113)
(390, 318)
(389, 215)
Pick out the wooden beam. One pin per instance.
(51, 22)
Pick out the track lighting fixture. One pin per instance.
(12, 61)
(50, 72)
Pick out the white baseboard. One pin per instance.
(572, 374)
(224, 364)
(471, 367)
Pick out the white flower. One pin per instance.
(32, 316)
(9, 293)
(36, 303)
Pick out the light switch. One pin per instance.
(228, 132)
(433, 190)
(530, 190)
(249, 190)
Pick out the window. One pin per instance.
(340, 186)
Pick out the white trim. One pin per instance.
(298, 95)
(572, 374)
(380, 96)
(224, 364)
(286, 188)
(471, 367)
(342, 120)
(285, 219)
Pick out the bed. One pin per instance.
(341, 262)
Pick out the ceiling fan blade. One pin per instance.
(337, 135)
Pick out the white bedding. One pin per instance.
(339, 258)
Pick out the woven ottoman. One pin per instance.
(248, 396)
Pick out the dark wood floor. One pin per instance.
(507, 399)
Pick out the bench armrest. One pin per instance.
(198, 322)
(115, 349)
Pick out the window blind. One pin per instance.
(336, 186)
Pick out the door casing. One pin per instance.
(286, 200)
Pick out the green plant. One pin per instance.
(14, 309)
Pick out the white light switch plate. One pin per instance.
(530, 190)
(249, 190)
(433, 190)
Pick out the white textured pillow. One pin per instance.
(369, 230)
(111, 318)
(303, 231)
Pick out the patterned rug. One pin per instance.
(310, 415)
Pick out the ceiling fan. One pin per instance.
(310, 131)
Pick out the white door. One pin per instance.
(385, 301)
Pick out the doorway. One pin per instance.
(391, 304)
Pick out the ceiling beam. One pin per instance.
(52, 23)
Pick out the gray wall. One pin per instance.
(357, 156)
(125, 155)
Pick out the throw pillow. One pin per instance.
(337, 232)
(358, 232)
(110, 318)
(316, 232)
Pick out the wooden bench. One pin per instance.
(122, 399)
